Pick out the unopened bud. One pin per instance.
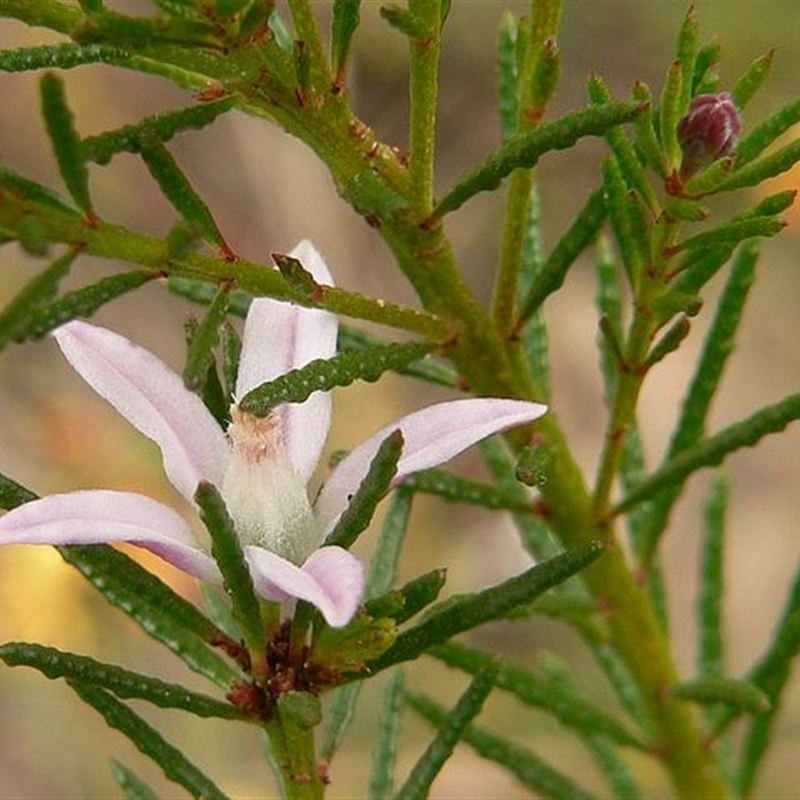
(708, 131)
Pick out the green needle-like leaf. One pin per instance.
(507, 89)
(741, 695)
(123, 683)
(65, 141)
(541, 691)
(131, 784)
(345, 19)
(756, 172)
(466, 612)
(462, 490)
(227, 551)
(764, 134)
(103, 147)
(16, 316)
(711, 655)
(734, 232)
(384, 754)
(712, 451)
(670, 112)
(419, 781)
(361, 508)
(177, 189)
(321, 375)
(752, 80)
(13, 494)
(174, 764)
(403, 603)
(163, 615)
(527, 768)
(580, 234)
(205, 338)
(60, 56)
(525, 149)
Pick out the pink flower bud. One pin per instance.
(708, 131)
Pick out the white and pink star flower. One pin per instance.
(261, 465)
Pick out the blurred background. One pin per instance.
(267, 192)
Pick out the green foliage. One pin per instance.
(657, 234)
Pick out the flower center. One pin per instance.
(265, 498)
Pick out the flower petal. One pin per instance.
(332, 579)
(100, 516)
(153, 399)
(279, 337)
(431, 436)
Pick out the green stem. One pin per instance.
(423, 93)
(295, 755)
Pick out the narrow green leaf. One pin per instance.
(645, 127)
(627, 158)
(615, 770)
(345, 19)
(525, 149)
(109, 26)
(539, 690)
(404, 21)
(751, 80)
(383, 566)
(403, 603)
(177, 189)
(231, 352)
(372, 489)
(103, 147)
(429, 765)
(627, 220)
(205, 338)
(711, 451)
(771, 674)
(60, 56)
(527, 768)
(203, 292)
(609, 308)
(148, 741)
(734, 232)
(131, 784)
(669, 342)
(13, 494)
(321, 375)
(339, 714)
(757, 172)
(161, 613)
(44, 13)
(705, 182)
(670, 112)
(462, 490)
(764, 134)
(65, 141)
(33, 192)
(227, 551)
(384, 754)
(123, 683)
(465, 612)
(711, 651)
(717, 348)
(741, 695)
(85, 302)
(687, 56)
(16, 316)
(705, 80)
(507, 90)
(430, 368)
(580, 234)
(536, 536)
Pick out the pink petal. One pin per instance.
(153, 399)
(100, 516)
(431, 436)
(279, 337)
(332, 579)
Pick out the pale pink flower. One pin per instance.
(261, 466)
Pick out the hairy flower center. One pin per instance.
(265, 498)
